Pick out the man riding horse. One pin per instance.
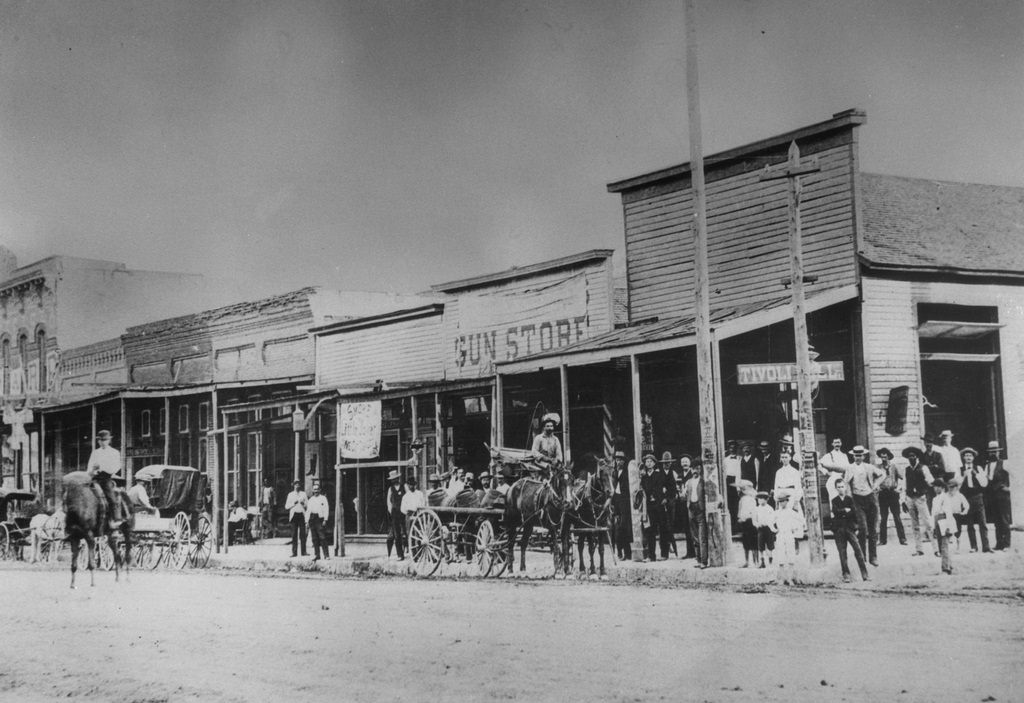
(104, 466)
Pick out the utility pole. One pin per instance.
(792, 170)
(712, 469)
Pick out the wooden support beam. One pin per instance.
(717, 547)
(634, 465)
(563, 376)
(167, 430)
(791, 171)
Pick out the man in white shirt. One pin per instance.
(237, 516)
(105, 464)
(412, 500)
(836, 463)
(316, 516)
(138, 498)
(457, 482)
(295, 504)
(731, 467)
(787, 482)
(862, 478)
(950, 456)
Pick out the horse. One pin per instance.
(591, 510)
(84, 520)
(532, 502)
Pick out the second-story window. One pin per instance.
(41, 346)
(204, 416)
(162, 426)
(146, 423)
(183, 418)
(5, 353)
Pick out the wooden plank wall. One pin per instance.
(596, 306)
(891, 354)
(747, 234)
(408, 350)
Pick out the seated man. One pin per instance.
(138, 498)
(237, 517)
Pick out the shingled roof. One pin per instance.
(913, 223)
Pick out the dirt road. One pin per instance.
(208, 637)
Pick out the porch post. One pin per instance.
(167, 429)
(563, 375)
(634, 465)
(126, 462)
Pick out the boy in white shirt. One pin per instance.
(764, 521)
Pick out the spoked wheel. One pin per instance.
(104, 555)
(483, 554)
(157, 555)
(142, 555)
(53, 538)
(6, 552)
(426, 543)
(178, 545)
(500, 553)
(202, 543)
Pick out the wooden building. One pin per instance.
(432, 369)
(914, 289)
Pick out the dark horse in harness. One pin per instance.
(84, 520)
(590, 513)
(531, 503)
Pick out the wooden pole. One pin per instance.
(634, 465)
(499, 411)
(42, 458)
(126, 464)
(792, 171)
(717, 548)
(563, 374)
(167, 430)
(213, 467)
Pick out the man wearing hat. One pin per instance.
(621, 506)
(295, 504)
(951, 459)
(546, 443)
(999, 494)
(973, 487)
(948, 504)
(104, 466)
(917, 481)
(889, 492)
(396, 521)
(836, 463)
(862, 479)
(731, 469)
(316, 519)
(673, 481)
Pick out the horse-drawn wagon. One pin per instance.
(181, 533)
(15, 533)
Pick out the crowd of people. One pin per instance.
(941, 489)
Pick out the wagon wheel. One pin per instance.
(178, 545)
(202, 543)
(154, 557)
(6, 552)
(53, 538)
(142, 555)
(426, 543)
(483, 554)
(500, 553)
(104, 557)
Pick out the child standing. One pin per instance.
(789, 524)
(764, 521)
(745, 518)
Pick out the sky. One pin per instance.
(386, 145)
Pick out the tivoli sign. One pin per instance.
(754, 374)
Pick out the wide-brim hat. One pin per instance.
(993, 446)
(912, 451)
(485, 474)
(787, 440)
(939, 482)
(859, 450)
(969, 450)
(394, 475)
(762, 494)
(743, 484)
(946, 433)
(649, 456)
(952, 481)
(764, 443)
(884, 452)
(103, 434)
(551, 417)
(747, 445)
(929, 438)
(666, 458)
(686, 456)
(781, 495)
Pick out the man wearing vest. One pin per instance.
(975, 481)
(889, 493)
(999, 495)
(918, 483)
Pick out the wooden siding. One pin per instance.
(891, 353)
(407, 350)
(748, 239)
(528, 316)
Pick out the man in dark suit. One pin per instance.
(750, 464)
(844, 529)
(999, 495)
(659, 490)
(620, 504)
(932, 458)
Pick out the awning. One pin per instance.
(674, 333)
(951, 329)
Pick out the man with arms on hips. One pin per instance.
(890, 493)
(975, 483)
(103, 466)
(862, 479)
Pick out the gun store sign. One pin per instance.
(757, 374)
